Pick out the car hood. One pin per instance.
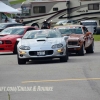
(40, 42)
(7, 37)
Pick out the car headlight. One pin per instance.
(0, 42)
(57, 46)
(24, 47)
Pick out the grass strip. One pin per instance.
(96, 37)
(16, 2)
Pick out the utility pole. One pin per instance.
(68, 8)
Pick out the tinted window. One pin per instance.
(26, 11)
(14, 31)
(93, 6)
(42, 34)
(39, 9)
(70, 30)
(62, 22)
(55, 9)
(77, 31)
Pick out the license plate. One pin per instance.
(41, 53)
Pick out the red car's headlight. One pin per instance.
(1, 42)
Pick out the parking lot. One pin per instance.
(77, 79)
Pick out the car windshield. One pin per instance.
(13, 31)
(42, 34)
(70, 30)
(61, 22)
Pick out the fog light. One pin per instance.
(22, 52)
(61, 53)
(21, 55)
(60, 50)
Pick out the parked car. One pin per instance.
(5, 25)
(64, 22)
(79, 38)
(42, 44)
(9, 36)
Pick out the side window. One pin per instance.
(30, 29)
(39, 9)
(55, 9)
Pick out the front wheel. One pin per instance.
(21, 61)
(65, 58)
(15, 48)
(81, 51)
(90, 49)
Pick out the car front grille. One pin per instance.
(72, 43)
(34, 53)
(1, 48)
(8, 42)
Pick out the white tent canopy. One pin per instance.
(7, 9)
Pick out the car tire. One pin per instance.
(15, 48)
(21, 61)
(65, 58)
(81, 51)
(90, 49)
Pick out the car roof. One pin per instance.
(41, 30)
(10, 23)
(21, 27)
(89, 21)
(68, 26)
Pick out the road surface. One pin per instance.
(77, 79)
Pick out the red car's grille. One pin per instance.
(1, 48)
(8, 42)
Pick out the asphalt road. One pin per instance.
(78, 79)
(16, 5)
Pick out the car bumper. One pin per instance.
(72, 48)
(25, 54)
(6, 47)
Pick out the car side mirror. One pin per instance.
(18, 39)
(88, 33)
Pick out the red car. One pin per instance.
(8, 37)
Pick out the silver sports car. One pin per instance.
(42, 44)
